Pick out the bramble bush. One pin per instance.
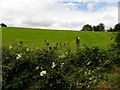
(116, 49)
(53, 67)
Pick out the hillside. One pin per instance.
(36, 37)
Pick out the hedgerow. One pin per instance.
(55, 67)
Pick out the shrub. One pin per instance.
(53, 67)
(116, 49)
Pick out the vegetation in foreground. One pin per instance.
(59, 67)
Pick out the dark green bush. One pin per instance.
(116, 49)
(53, 67)
(91, 57)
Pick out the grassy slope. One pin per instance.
(36, 37)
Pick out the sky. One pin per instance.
(58, 14)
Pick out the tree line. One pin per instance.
(87, 27)
(101, 27)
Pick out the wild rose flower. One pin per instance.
(62, 64)
(53, 64)
(89, 62)
(10, 47)
(42, 73)
(27, 49)
(18, 56)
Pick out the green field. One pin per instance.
(36, 37)
(88, 68)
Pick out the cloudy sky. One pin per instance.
(58, 14)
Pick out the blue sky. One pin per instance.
(58, 14)
(84, 5)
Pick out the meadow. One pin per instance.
(34, 38)
(49, 60)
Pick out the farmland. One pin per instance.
(49, 60)
(36, 37)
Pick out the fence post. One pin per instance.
(77, 43)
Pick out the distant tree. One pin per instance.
(100, 27)
(117, 27)
(87, 27)
(110, 29)
(96, 28)
(3, 25)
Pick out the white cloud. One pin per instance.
(51, 14)
(90, 6)
(72, 24)
(39, 21)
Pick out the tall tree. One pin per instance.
(96, 28)
(110, 29)
(87, 27)
(117, 27)
(101, 27)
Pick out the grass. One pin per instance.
(36, 37)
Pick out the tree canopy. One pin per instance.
(100, 27)
(87, 27)
(117, 27)
(3, 25)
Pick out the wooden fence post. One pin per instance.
(77, 43)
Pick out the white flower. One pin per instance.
(18, 56)
(85, 72)
(27, 49)
(53, 64)
(62, 64)
(37, 68)
(42, 73)
(66, 53)
(89, 62)
(62, 56)
(10, 47)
